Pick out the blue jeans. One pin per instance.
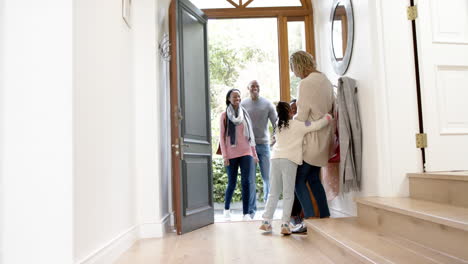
(310, 192)
(263, 153)
(245, 163)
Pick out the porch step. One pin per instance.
(442, 187)
(346, 240)
(435, 225)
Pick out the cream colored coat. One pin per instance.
(314, 100)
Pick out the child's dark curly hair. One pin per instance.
(283, 109)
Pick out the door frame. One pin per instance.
(283, 16)
(418, 85)
(174, 117)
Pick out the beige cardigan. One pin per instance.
(314, 100)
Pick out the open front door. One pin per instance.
(190, 118)
(443, 54)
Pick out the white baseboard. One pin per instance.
(158, 229)
(113, 249)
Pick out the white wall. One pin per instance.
(122, 166)
(152, 119)
(36, 140)
(85, 166)
(383, 67)
(152, 148)
(104, 149)
(2, 84)
(399, 101)
(162, 27)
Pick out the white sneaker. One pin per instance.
(227, 214)
(246, 217)
(285, 230)
(252, 215)
(266, 226)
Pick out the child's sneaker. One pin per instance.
(227, 214)
(285, 229)
(266, 226)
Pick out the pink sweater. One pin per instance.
(242, 147)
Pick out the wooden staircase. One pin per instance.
(430, 226)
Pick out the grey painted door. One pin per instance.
(195, 183)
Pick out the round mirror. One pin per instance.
(342, 34)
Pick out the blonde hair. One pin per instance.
(302, 62)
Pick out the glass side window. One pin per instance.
(296, 41)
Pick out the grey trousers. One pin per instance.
(282, 179)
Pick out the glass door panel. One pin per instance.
(296, 41)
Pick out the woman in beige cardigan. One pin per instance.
(314, 101)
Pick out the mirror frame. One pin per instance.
(341, 66)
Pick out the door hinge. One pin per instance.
(412, 12)
(421, 140)
(178, 113)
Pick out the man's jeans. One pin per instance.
(263, 153)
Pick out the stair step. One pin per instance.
(443, 175)
(435, 225)
(442, 187)
(345, 240)
(444, 214)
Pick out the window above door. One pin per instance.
(210, 4)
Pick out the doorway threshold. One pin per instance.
(237, 215)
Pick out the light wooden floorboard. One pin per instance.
(240, 242)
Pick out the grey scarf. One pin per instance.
(234, 120)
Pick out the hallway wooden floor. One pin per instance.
(237, 242)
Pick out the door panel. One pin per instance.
(197, 184)
(194, 76)
(191, 140)
(442, 31)
(450, 21)
(451, 100)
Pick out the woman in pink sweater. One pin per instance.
(237, 143)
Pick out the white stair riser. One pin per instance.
(440, 190)
(446, 239)
(333, 250)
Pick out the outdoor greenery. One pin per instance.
(225, 64)
(240, 50)
(220, 183)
